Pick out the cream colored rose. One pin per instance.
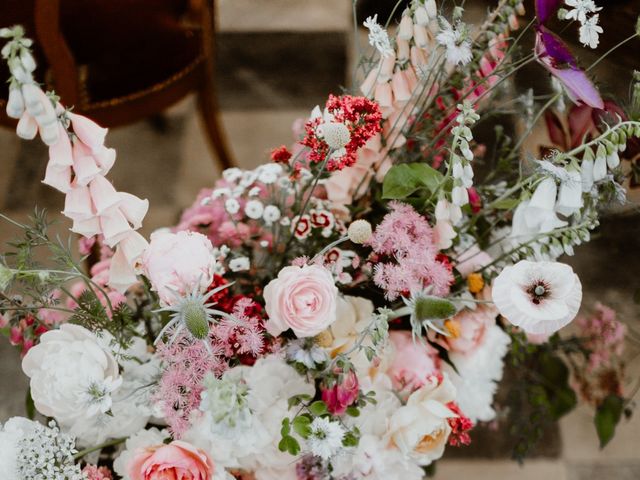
(420, 429)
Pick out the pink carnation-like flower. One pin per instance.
(414, 362)
(302, 299)
(176, 263)
(178, 460)
(342, 394)
(93, 472)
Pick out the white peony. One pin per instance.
(72, 375)
(539, 297)
(141, 439)
(478, 373)
(420, 429)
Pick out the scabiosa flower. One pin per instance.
(306, 352)
(456, 42)
(540, 298)
(226, 400)
(325, 439)
(358, 115)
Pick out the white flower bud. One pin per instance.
(27, 60)
(27, 127)
(336, 135)
(459, 196)
(458, 170)
(600, 168)
(405, 31)
(15, 103)
(432, 9)
(421, 16)
(587, 175)
(359, 231)
(613, 160)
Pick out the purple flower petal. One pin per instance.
(555, 48)
(546, 8)
(579, 87)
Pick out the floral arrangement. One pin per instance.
(346, 310)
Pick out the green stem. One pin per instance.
(87, 451)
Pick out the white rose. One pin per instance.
(420, 429)
(72, 374)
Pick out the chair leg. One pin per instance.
(210, 115)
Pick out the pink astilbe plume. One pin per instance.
(186, 361)
(407, 237)
(605, 334)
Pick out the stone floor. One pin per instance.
(267, 81)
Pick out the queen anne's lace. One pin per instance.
(47, 454)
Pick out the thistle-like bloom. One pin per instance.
(193, 312)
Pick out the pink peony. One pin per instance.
(414, 362)
(178, 263)
(301, 298)
(342, 394)
(469, 327)
(178, 460)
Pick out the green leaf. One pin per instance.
(301, 426)
(289, 444)
(318, 408)
(350, 440)
(286, 427)
(403, 180)
(607, 417)
(561, 397)
(506, 204)
(353, 411)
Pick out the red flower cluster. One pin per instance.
(460, 427)
(281, 154)
(361, 116)
(25, 333)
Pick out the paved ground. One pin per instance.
(266, 83)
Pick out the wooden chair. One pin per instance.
(120, 61)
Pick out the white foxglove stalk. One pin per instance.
(421, 16)
(600, 168)
(586, 174)
(432, 9)
(613, 160)
(27, 127)
(15, 103)
(405, 31)
(539, 297)
(448, 211)
(570, 196)
(542, 202)
(459, 196)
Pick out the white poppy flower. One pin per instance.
(539, 297)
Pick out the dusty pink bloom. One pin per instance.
(469, 327)
(302, 299)
(605, 336)
(93, 472)
(342, 394)
(414, 362)
(177, 460)
(406, 237)
(178, 263)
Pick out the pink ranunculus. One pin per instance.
(301, 298)
(414, 362)
(178, 263)
(342, 394)
(177, 460)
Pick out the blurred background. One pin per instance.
(189, 86)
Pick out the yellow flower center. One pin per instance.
(475, 282)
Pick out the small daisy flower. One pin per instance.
(232, 175)
(271, 214)
(378, 36)
(269, 173)
(232, 206)
(326, 437)
(221, 192)
(239, 264)
(254, 192)
(254, 209)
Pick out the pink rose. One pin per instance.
(178, 460)
(301, 298)
(178, 263)
(414, 362)
(342, 394)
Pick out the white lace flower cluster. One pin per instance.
(31, 451)
(585, 12)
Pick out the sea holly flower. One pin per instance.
(553, 54)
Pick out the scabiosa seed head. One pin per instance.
(336, 135)
(359, 231)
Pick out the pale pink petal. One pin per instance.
(84, 165)
(103, 194)
(133, 208)
(133, 247)
(88, 131)
(121, 273)
(87, 228)
(114, 226)
(105, 158)
(384, 95)
(58, 177)
(61, 153)
(78, 204)
(400, 86)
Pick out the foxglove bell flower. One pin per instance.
(539, 297)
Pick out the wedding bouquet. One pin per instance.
(345, 310)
